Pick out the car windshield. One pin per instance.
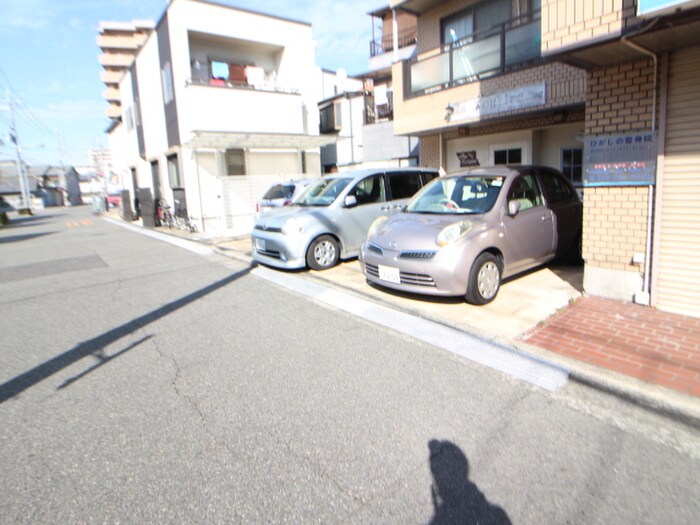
(457, 195)
(323, 192)
(279, 191)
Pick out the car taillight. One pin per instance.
(287, 202)
(257, 207)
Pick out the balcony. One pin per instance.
(115, 60)
(228, 107)
(513, 45)
(385, 44)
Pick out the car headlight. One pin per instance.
(292, 226)
(376, 224)
(451, 233)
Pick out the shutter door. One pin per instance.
(678, 270)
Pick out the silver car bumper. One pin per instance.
(278, 250)
(436, 273)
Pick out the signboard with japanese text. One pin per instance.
(517, 99)
(621, 159)
(658, 7)
(467, 159)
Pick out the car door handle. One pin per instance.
(385, 208)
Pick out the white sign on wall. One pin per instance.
(505, 101)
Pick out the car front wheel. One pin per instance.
(484, 279)
(323, 253)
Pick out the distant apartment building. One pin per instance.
(361, 114)
(119, 42)
(219, 103)
(607, 92)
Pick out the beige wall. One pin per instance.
(565, 86)
(615, 219)
(568, 23)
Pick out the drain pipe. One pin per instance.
(644, 297)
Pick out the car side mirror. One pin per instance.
(513, 207)
(350, 201)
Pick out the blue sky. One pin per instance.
(49, 63)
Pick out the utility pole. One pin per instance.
(26, 208)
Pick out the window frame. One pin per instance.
(568, 171)
(243, 164)
(176, 182)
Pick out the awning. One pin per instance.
(221, 140)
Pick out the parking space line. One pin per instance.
(508, 360)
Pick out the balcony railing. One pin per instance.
(385, 44)
(509, 46)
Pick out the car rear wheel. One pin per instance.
(484, 279)
(323, 253)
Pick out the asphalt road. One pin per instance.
(142, 383)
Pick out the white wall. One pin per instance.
(484, 146)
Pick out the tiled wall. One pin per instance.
(618, 99)
(567, 23)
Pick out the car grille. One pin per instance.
(270, 229)
(269, 253)
(374, 248)
(414, 279)
(417, 255)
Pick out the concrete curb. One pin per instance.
(664, 401)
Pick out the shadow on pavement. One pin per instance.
(455, 498)
(96, 345)
(17, 238)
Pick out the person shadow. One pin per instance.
(455, 498)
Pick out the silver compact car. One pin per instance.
(330, 219)
(281, 194)
(464, 233)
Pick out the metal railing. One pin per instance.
(511, 45)
(385, 44)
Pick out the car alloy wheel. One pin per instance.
(323, 253)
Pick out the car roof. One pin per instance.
(500, 171)
(363, 172)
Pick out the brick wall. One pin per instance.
(615, 227)
(568, 23)
(566, 86)
(620, 98)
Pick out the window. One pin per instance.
(235, 162)
(572, 164)
(166, 79)
(526, 191)
(370, 190)
(461, 26)
(555, 187)
(331, 119)
(174, 172)
(404, 185)
(507, 156)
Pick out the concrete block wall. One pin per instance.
(570, 23)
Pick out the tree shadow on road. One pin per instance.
(95, 346)
(455, 498)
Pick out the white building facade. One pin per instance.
(219, 104)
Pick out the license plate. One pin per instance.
(389, 274)
(260, 245)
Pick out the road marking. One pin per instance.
(192, 246)
(509, 360)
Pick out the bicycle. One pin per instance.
(165, 217)
(183, 222)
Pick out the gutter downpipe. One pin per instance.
(644, 297)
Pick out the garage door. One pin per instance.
(678, 270)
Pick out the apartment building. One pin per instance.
(219, 103)
(360, 112)
(607, 92)
(642, 144)
(119, 42)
